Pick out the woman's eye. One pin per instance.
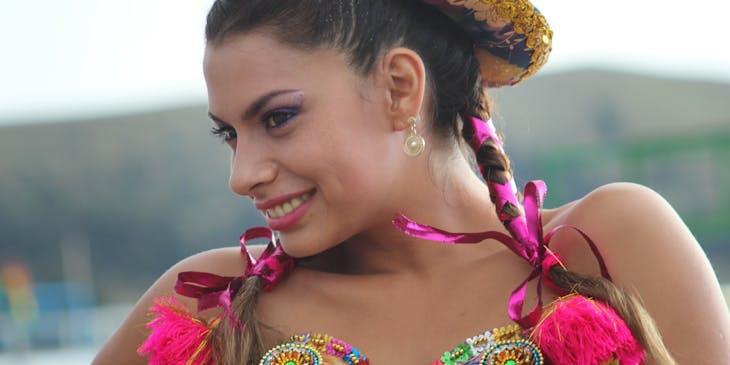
(224, 132)
(278, 118)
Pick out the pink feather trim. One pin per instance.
(579, 331)
(176, 338)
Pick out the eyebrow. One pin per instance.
(255, 107)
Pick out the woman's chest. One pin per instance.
(394, 321)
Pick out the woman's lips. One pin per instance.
(283, 212)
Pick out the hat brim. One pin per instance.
(512, 39)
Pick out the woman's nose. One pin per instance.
(251, 170)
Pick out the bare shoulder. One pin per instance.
(629, 223)
(226, 261)
(616, 198)
(122, 346)
(649, 250)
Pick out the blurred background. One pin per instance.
(108, 174)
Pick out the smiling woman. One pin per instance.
(318, 101)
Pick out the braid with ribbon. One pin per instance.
(236, 327)
(243, 329)
(555, 275)
(527, 240)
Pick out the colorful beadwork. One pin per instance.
(458, 355)
(520, 352)
(313, 346)
(500, 346)
(292, 354)
(481, 343)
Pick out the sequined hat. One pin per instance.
(512, 40)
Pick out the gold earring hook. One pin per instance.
(414, 143)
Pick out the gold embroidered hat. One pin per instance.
(512, 40)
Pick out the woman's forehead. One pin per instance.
(244, 67)
(260, 56)
(247, 51)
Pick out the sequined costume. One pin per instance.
(586, 331)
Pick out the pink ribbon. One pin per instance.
(533, 248)
(218, 291)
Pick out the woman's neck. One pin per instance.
(454, 200)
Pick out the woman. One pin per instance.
(355, 128)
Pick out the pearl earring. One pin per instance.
(414, 144)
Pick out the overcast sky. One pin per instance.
(70, 58)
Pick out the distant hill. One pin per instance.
(143, 191)
(590, 106)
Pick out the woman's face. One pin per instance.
(311, 142)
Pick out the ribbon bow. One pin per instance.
(217, 291)
(528, 243)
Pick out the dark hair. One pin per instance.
(364, 30)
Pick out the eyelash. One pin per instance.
(270, 123)
(227, 133)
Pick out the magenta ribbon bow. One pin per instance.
(218, 291)
(531, 246)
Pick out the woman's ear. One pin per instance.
(404, 80)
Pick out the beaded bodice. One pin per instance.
(575, 330)
(503, 346)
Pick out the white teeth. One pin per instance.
(286, 207)
(279, 211)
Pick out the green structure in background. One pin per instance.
(691, 171)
